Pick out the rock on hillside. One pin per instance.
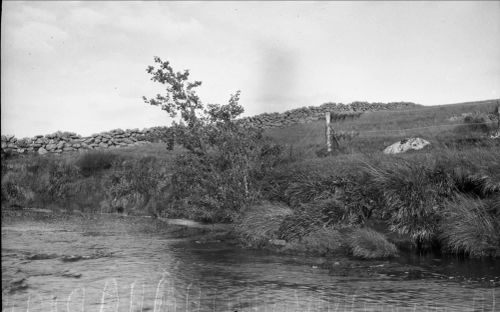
(406, 145)
(495, 135)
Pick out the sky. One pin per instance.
(81, 66)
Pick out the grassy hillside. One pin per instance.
(375, 130)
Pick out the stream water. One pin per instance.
(123, 264)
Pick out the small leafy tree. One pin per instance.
(180, 97)
(218, 175)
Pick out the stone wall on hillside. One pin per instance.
(314, 113)
(62, 142)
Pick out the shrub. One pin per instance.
(142, 181)
(224, 159)
(39, 181)
(369, 244)
(206, 192)
(260, 223)
(474, 123)
(92, 162)
(13, 191)
(469, 228)
(51, 180)
(85, 193)
(274, 184)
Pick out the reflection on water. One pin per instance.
(112, 265)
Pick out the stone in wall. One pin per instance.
(42, 151)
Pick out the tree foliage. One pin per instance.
(180, 97)
(224, 159)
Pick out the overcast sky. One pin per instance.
(80, 66)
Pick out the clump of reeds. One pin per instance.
(471, 226)
(260, 223)
(369, 244)
(319, 241)
(307, 217)
(410, 196)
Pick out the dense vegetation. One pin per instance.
(277, 187)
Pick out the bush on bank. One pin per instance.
(61, 183)
(410, 193)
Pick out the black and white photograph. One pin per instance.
(237, 156)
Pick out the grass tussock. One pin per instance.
(411, 198)
(471, 226)
(369, 244)
(306, 188)
(260, 223)
(319, 241)
(307, 217)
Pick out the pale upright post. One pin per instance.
(328, 133)
(498, 115)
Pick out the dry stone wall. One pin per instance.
(62, 142)
(313, 113)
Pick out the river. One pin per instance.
(110, 263)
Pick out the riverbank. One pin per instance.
(363, 205)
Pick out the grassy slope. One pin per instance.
(382, 128)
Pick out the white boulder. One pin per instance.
(42, 151)
(406, 145)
